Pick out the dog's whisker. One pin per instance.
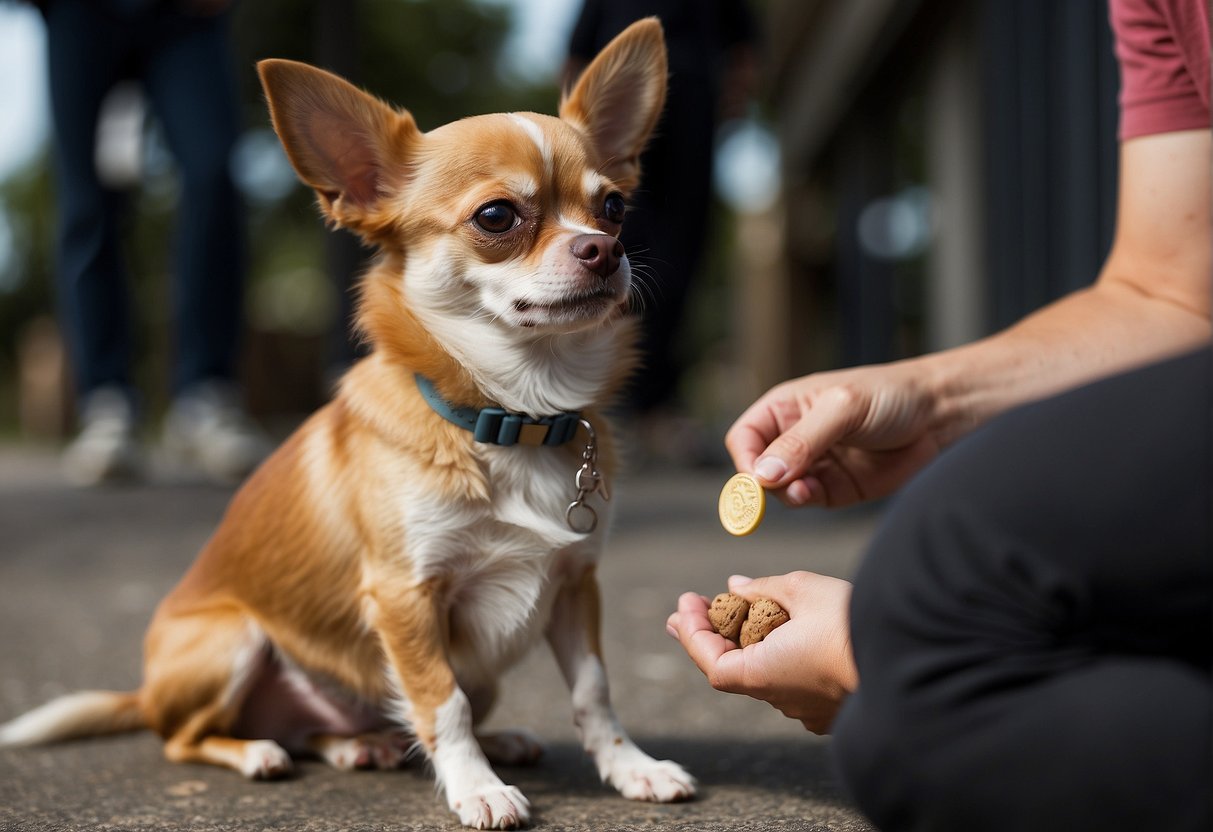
(645, 290)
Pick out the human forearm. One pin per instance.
(1109, 327)
(1152, 298)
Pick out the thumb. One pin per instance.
(789, 591)
(788, 457)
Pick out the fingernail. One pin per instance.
(770, 468)
(673, 633)
(739, 580)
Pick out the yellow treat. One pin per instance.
(742, 504)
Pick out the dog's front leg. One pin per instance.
(411, 621)
(574, 636)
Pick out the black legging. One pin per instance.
(1033, 624)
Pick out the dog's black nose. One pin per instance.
(599, 253)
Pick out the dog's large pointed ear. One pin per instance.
(617, 100)
(351, 147)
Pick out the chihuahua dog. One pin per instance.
(371, 582)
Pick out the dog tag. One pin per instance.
(581, 518)
(742, 505)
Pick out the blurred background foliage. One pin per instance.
(440, 59)
(922, 179)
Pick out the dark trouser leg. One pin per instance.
(664, 234)
(190, 83)
(84, 51)
(1032, 624)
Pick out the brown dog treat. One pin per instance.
(727, 614)
(765, 615)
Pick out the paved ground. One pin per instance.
(80, 573)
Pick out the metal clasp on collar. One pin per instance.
(588, 480)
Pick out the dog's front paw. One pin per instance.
(638, 776)
(497, 807)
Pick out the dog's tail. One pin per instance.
(83, 714)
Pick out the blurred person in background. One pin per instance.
(712, 67)
(1027, 644)
(178, 51)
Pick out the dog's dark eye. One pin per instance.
(614, 208)
(497, 217)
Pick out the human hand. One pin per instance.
(836, 438)
(804, 668)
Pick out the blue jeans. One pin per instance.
(184, 66)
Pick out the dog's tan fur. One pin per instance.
(311, 585)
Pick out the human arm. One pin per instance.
(804, 668)
(858, 434)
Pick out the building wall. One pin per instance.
(1003, 110)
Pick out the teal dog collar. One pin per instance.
(497, 426)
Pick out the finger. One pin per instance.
(792, 591)
(832, 417)
(671, 624)
(750, 435)
(855, 475)
(693, 602)
(708, 649)
(807, 491)
(719, 659)
(691, 615)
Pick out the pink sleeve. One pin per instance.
(1163, 49)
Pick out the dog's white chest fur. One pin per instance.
(498, 559)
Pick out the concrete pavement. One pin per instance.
(81, 571)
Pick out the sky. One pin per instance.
(23, 101)
(537, 45)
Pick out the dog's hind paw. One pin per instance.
(500, 807)
(265, 760)
(365, 751)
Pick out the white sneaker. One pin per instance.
(105, 450)
(206, 427)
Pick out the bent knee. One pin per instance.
(901, 776)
